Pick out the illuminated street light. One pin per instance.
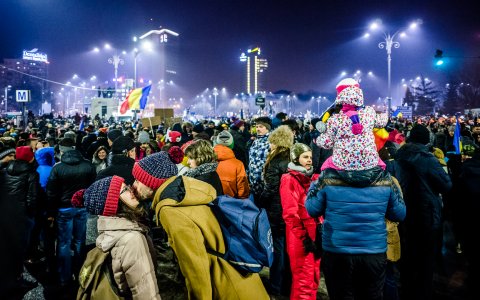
(115, 60)
(215, 94)
(387, 45)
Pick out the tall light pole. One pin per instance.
(390, 41)
(135, 54)
(6, 97)
(116, 60)
(215, 94)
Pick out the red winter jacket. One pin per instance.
(305, 267)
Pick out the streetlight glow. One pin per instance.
(387, 44)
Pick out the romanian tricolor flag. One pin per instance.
(136, 99)
(457, 141)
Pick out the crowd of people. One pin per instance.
(142, 193)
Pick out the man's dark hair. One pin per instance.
(67, 142)
(292, 124)
(281, 115)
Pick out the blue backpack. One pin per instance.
(246, 231)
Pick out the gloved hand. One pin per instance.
(308, 245)
(321, 127)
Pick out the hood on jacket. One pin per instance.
(412, 152)
(72, 157)
(111, 229)
(183, 191)
(45, 156)
(17, 167)
(471, 167)
(356, 178)
(120, 159)
(223, 152)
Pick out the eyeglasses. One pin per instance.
(126, 188)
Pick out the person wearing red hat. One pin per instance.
(20, 182)
(122, 234)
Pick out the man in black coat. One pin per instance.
(19, 183)
(72, 174)
(469, 192)
(423, 179)
(123, 159)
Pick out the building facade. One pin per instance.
(254, 68)
(160, 68)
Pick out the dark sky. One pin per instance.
(307, 43)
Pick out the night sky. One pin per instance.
(307, 43)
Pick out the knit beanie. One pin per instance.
(296, 150)
(122, 144)
(282, 136)
(265, 121)
(174, 136)
(224, 138)
(143, 137)
(349, 92)
(70, 135)
(24, 153)
(114, 134)
(102, 197)
(5, 152)
(155, 169)
(238, 123)
(419, 134)
(176, 154)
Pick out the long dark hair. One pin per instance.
(137, 214)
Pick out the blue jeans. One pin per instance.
(71, 234)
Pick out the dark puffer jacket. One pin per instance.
(73, 173)
(20, 182)
(270, 197)
(423, 179)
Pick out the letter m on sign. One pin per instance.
(23, 95)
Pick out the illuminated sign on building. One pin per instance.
(35, 55)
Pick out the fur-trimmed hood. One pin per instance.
(282, 136)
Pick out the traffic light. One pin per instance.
(439, 57)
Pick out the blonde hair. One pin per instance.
(282, 136)
(201, 151)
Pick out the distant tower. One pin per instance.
(254, 66)
(161, 67)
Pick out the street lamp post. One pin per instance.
(115, 60)
(135, 54)
(390, 41)
(387, 45)
(215, 94)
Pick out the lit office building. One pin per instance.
(254, 66)
(160, 67)
(28, 73)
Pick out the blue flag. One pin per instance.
(457, 142)
(82, 125)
